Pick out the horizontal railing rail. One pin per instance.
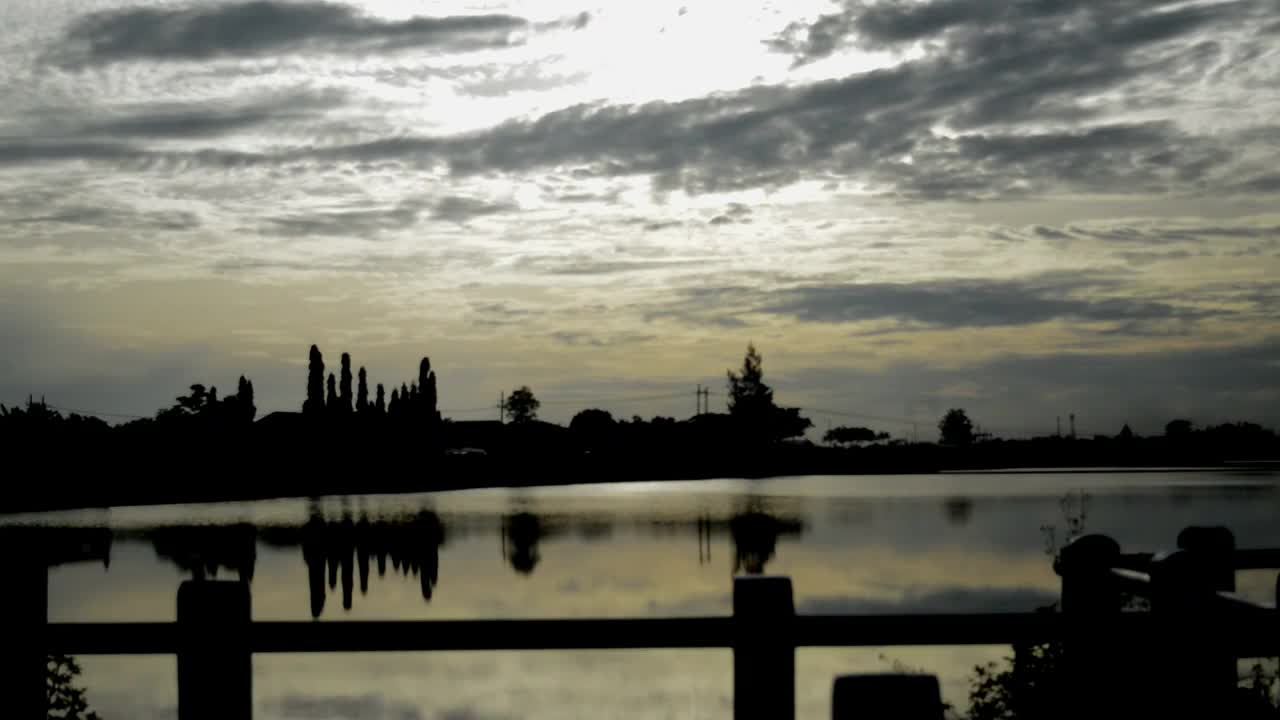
(635, 634)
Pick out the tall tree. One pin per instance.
(379, 404)
(749, 396)
(362, 392)
(751, 403)
(521, 406)
(426, 391)
(315, 383)
(331, 401)
(956, 428)
(393, 407)
(345, 398)
(244, 400)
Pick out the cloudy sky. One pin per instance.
(1023, 208)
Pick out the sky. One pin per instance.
(1027, 209)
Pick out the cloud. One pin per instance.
(211, 118)
(735, 213)
(114, 218)
(996, 110)
(941, 303)
(593, 266)
(656, 225)
(584, 339)
(503, 80)
(343, 223)
(343, 707)
(1051, 234)
(973, 25)
(1147, 258)
(460, 209)
(268, 27)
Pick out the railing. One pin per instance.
(1187, 645)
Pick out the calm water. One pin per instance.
(901, 544)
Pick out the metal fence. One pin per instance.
(1176, 658)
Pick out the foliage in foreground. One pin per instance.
(64, 700)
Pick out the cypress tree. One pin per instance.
(244, 397)
(427, 386)
(344, 400)
(332, 403)
(393, 407)
(362, 392)
(315, 383)
(379, 405)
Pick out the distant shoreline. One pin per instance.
(454, 473)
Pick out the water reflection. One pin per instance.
(339, 552)
(755, 539)
(521, 533)
(413, 544)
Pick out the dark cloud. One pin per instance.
(269, 27)
(1266, 184)
(656, 225)
(114, 218)
(583, 265)
(969, 303)
(734, 213)
(208, 119)
(933, 601)
(500, 314)
(1147, 258)
(345, 223)
(1051, 234)
(583, 339)
(460, 209)
(973, 24)
(1168, 234)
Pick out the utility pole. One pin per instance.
(697, 396)
(1059, 431)
(502, 402)
(703, 396)
(1073, 426)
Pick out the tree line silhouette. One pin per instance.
(211, 447)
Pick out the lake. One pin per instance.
(861, 544)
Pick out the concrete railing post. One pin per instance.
(764, 654)
(215, 668)
(24, 614)
(1091, 603)
(1197, 665)
(886, 697)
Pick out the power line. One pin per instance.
(601, 401)
(862, 416)
(100, 414)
